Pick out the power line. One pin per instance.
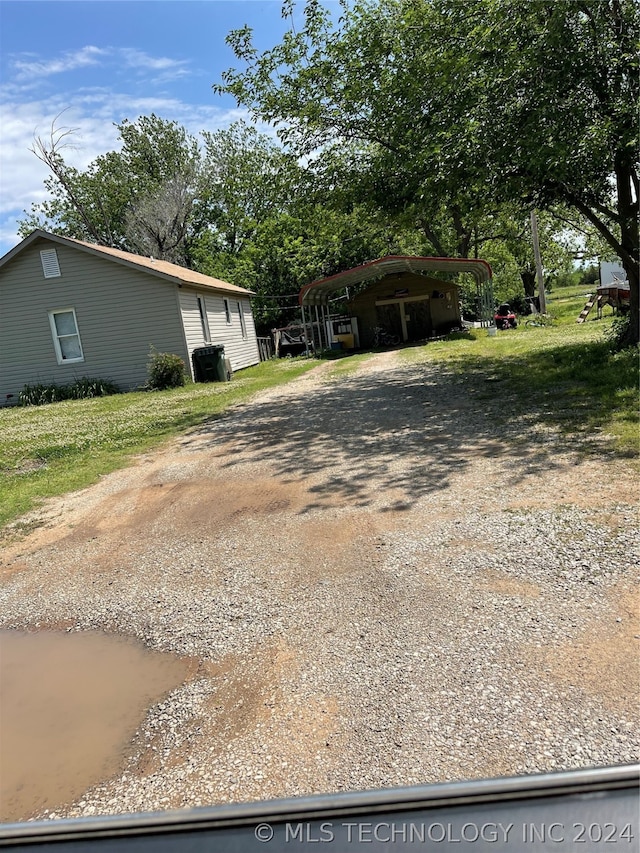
(284, 296)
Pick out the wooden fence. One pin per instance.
(265, 348)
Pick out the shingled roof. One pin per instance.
(161, 269)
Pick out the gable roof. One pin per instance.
(160, 269)
(317, 293)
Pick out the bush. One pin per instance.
(165, 370)
(86, 387)
(79, 389)
(39, 395)
(618, 335)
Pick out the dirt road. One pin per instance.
(383, 578)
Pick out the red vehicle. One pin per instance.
(505, 318)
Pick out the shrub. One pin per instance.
(79, 389)
(86, 387)
(165, 370)
(38, 395)
(618, 335)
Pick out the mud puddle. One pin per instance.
(70, 704)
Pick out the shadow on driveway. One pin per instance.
(407, 430)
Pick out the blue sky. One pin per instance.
(102, 62)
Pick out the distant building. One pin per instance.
(612, 273)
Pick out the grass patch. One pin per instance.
(563, 375)
(348, 363)
(61, 447)
(566, 303)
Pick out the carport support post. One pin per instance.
(304, 326)
(325, 324)
(319, 328)
(321, 320)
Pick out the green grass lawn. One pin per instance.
(49, 450)
(564, 374)
(566, 303)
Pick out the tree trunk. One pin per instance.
(633, 333)
(626, 248)
(463, 234)
(432, 237)
(628, 210)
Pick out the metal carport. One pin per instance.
(317, 293)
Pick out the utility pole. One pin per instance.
(536, 252)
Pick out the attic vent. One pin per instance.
(50, 265)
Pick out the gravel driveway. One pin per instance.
(387, 578)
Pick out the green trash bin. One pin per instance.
(209, 364)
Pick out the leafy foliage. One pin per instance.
(80, 389)
(138, 199)
(617, 335)
(165, 370)
(248, 179)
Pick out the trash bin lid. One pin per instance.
(214, 349)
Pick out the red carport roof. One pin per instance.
(317, 293)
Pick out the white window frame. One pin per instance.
(56, 337)
(227, 310)
(204, 320)
(243, 325)
(50, 263)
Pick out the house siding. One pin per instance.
(242, 352)
(120, 313)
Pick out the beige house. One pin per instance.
(70, 309)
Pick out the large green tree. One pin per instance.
(139, 198)
(462, 106)
(369, 88)
(560, 93)
(248, 177)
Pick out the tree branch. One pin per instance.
(568, 222)
(432, 237)
(49, 154)
(611, 239)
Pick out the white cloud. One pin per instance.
(28, 69)
(139, 59)
(8, 234)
